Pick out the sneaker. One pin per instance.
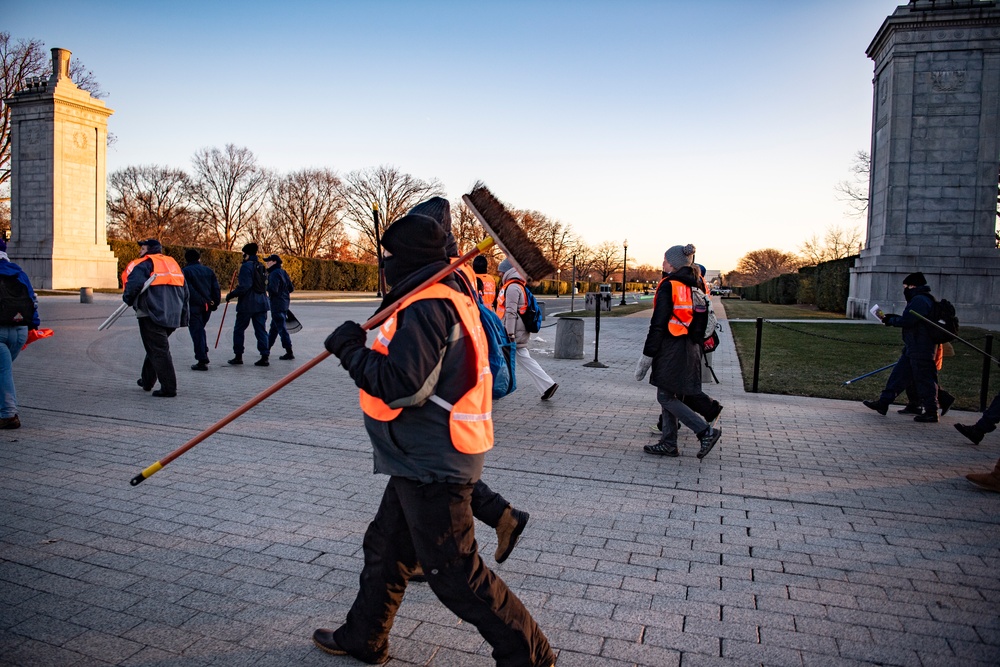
(512, 523)
(911, 410)
(551, 390)
(946, 402)
(985, 480)
(708, 441)
(287, 356)
(200, 366)
(262, 362)
(970, 432)
(236, 361)
(662, 449)
(323, 638)
(877, 406)
(926, 418)
(655, 430)
(10, 422)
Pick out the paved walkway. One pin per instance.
(816, 533)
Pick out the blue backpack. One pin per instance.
(532, 315)
(502, 350)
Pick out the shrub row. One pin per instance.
(306, 274)
(826, 286)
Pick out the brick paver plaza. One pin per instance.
(816, 533)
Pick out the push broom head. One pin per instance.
(522, 252)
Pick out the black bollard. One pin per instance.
(756, 355)
(597, 332)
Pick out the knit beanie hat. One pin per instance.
(273, 258)
(915, 279)
(250, 249)
(415, 239)
(680, 255)
(438, 208)
(504, 266)
(480, 265)
(191, 255)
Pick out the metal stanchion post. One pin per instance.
(756, 355)
(597, 333)
(984, 388)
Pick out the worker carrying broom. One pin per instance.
(426, 396)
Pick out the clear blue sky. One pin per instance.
(721, 123)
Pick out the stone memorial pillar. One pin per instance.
(59, 137)
(935, 159)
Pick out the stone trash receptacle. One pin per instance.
(569, 338)
(86, 295)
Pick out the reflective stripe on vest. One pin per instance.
(470, 419)
(489, 290)
(502, 298)
(683, 313)
(166, 271)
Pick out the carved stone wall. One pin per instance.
(58, 183)
(935, 159)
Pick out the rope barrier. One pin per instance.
(846, 340)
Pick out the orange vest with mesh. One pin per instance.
(683, 313)
(470, 419)
(166, 271)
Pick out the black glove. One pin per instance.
(347, 336)
(887, 319)
(229, 297)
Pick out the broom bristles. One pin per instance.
(499, 223)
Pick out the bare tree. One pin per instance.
(229, 190)
(555, 239)
(469, 231)
(855, 190)
(837, 243)
(306, 209)
(393, 191)
(18, 61)
(151, 201)
(759, 265)
(606, 259)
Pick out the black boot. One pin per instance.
(877, 406)
(287, 355)
(262, 362)
(236, 361)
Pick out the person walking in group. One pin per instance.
(426, 396)
(155, 287)
(511, 302)
(16, 318)
(916, 364)
(485, 284)
(204, 297)
(986, 424)
(251, 306)
(674, 356)
(279, 289)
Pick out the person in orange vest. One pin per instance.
(675, 357)
(512, 300)
(154, 285)
(425, 390)
(485, 284)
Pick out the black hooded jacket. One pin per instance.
(676, 359)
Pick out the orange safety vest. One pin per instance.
(471, 418)
(165, 270)
(502, 298)
(683, 313)
(489, 290)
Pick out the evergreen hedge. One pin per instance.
(826, 286)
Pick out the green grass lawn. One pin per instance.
(814, 359)
(737, 309)
(616, 310)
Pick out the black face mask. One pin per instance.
(393, 271)
(908, 293)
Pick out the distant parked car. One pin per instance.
(723, 291)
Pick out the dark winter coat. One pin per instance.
(279, 287)
(676, 359)
(429, 354)
(165, 305)
(247, 300)
(916, 332)
(9, 268)
(204, 292)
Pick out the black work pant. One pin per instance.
(919, 370)
(432, 524)
(197, 321)
(278, 319)
(988, 422)
(487, 505)
(243, 320)
(158, 365)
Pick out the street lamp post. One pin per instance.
(558, 279)
(378, 250)
(624, 269)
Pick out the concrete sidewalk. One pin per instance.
(816, 533)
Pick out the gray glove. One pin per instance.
(642, 367)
